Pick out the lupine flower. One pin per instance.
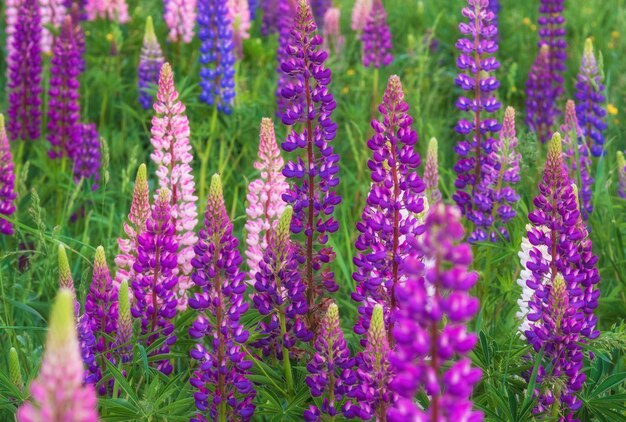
(24, 72)
(239, 16)
(376, 37)
(15, 371)
(64, 108)
(217, 58)
(7, 181)
(172, 156)
(114, 10)
(552, 33)
(476, 161)
(285, 22)
(253, 5)
(223, 391)
(314, 181)
(52, 15)
(330, 370)
(265, 203)
(180, 18)
(319, 9)
(139, 212)
(495, 7)
(155, 280)
(591, 109)
(431, 173)
(11, 11)
(124, 334)
(58, 393)
(77, 12)
(151, 61)
(280, 296)
(621, 174)
(393, 203)
(540, 108)
(360, 12)
(333, 38)
(577, 158)
(430, 332)
(271, 16)
(87, 159)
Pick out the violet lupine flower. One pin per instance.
(7, 181)
(217, 58)
(52, 15)
(577, 158)
(431, 173)
(591, 109)
(172, 156)
(114, 10)
(540, 108)
(271, 16)
(314, 181)
(360, 12)
(430, 332)
(476, 161)
(286, 19)
(333, 38)
(495, 7)
(180, 18)
(239, 16)
(151, 61)
(223, 390)
(139, 212)
(87, 158)
(330, 370)
(376, 37)
(265, 203)
(621, 174)
(319, 9)
(11, 9)
(58, 393)
(155, 280)
(24, 73)
(552, 33)
(123, 337)
(393, 203)
(253, 5)
(63, 107)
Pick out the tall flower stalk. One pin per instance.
(7, 182)
(540, 108)
(114, 10)
(271, 16)
(180, 18)
(123, 337)
(360, 12)
(552, 33)
(239, 15)
(151, 61)
(88, 156)
(621, 175)
(431, 173)
(285, 24)
(376, 37)
(333, 38)
(52, 15)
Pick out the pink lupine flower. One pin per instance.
(333, 38)
(115, 10)
(180, 17)
(360, 12)
(10, 12)
(172, 156)
(52, 14)
(58, 393)
(239, 14)
(431, 173)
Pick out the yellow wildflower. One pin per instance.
(611, 109)
(109, 37)
(526, 21)
(351, 72)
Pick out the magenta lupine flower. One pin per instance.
(561, 307)
(430, 332)
(223, 391)
(333, 38)
(123, 337)
(24, 72)
(151, 61)
(265, 203)
(330, 370)
(139, 212)
(114, 10)
(64, 108)
(475, 164)
(52, 15)
(180, 17)
(552, 33)
(239, 15)
(154, 281)
(285, 24)
(87, 158)
(360, 12)
(7, 181)
(393, 203)
(591, 109)
(172, 156)
(621, 174)
(271, 16)
(540, 108)
(376, 37)
(314, 180)
(58, 393)
(10, 12)
(431, 173)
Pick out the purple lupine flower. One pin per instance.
(79, 33)
(476, 162)
(63, 107)
(313, 192)
(552, 33)
(87, 158)
(319, 8)
(24, 74)
(253, 5)
(393, 203)
(577, 157)
(330, 370)
(123, 337)
(154, 282)
(271, 16)
(285, 24)
(150, 62)
(431, 334)
(591, 109)
(217, 57)
(376, 37)
(431, 173)
(7, 181)
(223, 391)
(561, 307)
(621, 175)
(280, 296)
(540, 108)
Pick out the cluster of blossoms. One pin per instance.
(431, 173)
(217, 57)
(393, 204)
(222, 390)
(7, 181)
(239, 15)
(333, 39)
(590, 109)
(151, 61)
(540, 108)
(124, 335)
(271, 16)
(285, 23)
(180, 18)
(312, 192)
(87, 155)
(433, 308)
(376, 37)
(114, 10)
(360, 12)
(52, 15)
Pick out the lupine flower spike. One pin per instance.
(552, 33)
(11, 12)
(180, 18)
(7, 181)
(217, 58)
(239, 15)
(223, 391)
(65, 277)
(52, 15)
(124, 333)
(330, 369)
(393, 203)
(591, 109)
(314, 181)
(87, 156)
(540, 108)
(360, 12)
(431, 173)
(430, 331)
(265, 203)
(271, 16)
(114, 10)
(172, 155)
(285, 23)
(376, 37)
(621, 174)
(15, 371)
(150, 63)
(24, 72)
(333, 38)
(58, 393)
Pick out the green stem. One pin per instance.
(286, 360)
(204, 156)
